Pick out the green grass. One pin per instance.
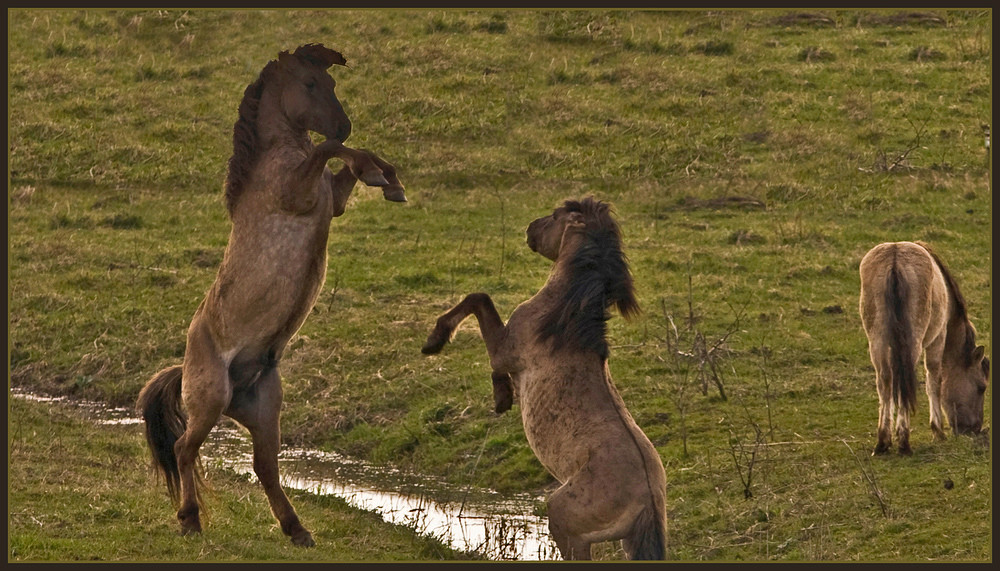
(849, 127)
(78, 491)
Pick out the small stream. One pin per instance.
(498, 526)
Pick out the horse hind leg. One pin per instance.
(571, 547)
(258, 409)
(204, 409)
(883, 382)
(903, 431)
(565, 522)
(205, 393)
(646, 540)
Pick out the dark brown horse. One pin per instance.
(281, 198)
(553, 355)
(911, 304)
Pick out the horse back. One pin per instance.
(903, 278)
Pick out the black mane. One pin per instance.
(245, 148)
(959, 310)
(599, 278)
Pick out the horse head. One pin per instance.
(963, 390)
(584, 240)
(545, 234)
(307, 96)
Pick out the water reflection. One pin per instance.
(501, 527)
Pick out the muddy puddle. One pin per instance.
(498, 526)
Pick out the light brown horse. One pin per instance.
(910, 304)
(553, 355)
(281, 198)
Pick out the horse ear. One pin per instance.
(320, 55)
(978, 353)
(285, 60)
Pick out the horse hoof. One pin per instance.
(304, 539)
(394, 193)
(190, 522)
(435, 341)
(374, 179)
(502, 405)
(431, 348)
(905, 452)
(880, 450)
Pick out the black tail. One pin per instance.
(902, 360)
(647, 539)
(160, 406)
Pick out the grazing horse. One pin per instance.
(910, 304)
(553, 355)
(281, 197)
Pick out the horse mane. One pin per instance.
(599, 277)
(960, 311)
(245, 147)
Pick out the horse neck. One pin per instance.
(557, 284)
(956, 341)
(273, 127)
(561, 276)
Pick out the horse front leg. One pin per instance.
(933, 367)
(298, 191)
(503, 392)
(394, 191)
(491, 327)
(258, 409)
(341, 187)
(368, 167)
(490, 324)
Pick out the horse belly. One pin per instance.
(567, 424)
(267, 288)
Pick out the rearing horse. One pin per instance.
(281, 197)
(553, 354)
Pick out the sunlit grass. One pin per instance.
(837, 130)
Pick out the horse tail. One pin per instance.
(160, 405)
(902, 360)
(647, 539)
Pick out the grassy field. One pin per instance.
(752, 158)
(95, 504)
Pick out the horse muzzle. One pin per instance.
(969, 429)
(531, 236)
